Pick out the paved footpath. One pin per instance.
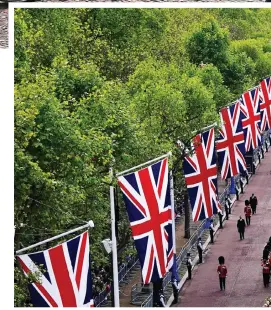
(244, 284)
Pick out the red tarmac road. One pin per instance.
(244, 284)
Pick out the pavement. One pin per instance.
(244, 284)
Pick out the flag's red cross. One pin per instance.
(156, 217)
(203, 174)
(266, 104)
(252, 118)
(231, 138)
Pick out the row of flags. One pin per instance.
(242, 124)
(66, 281)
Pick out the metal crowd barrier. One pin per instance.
(125, 270)
(100, 299)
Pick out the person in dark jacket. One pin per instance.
(189, 266)
(253, 202)
(200, 249)
(241, 227)
(211, 230)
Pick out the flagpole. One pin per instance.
(89, 224)
(205, 128)
(114, 245)
(144, 164)
(172, 212)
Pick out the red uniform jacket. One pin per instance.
(247, 211)
(266, 269)
(222, 270)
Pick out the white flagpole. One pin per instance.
(172, 212)
(89, 224)
(144, 164)
(114, 245)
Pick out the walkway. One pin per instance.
(244, 287)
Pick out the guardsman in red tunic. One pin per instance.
(266, 273)
(248, 212)
(222, 273)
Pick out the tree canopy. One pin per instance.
(101, 88)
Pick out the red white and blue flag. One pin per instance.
(265, 103)
(251, 118)
(63, 274)
(147, 199)
(230, 145)
(201, 176)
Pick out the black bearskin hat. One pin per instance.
(221, 259)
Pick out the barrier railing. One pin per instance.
(125, 270)
(148, 302)
(100, 299)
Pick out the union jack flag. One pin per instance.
(250, 110)
(147, 198)
(201, 177)
(63, 274)
(265, 103)
(230, 145)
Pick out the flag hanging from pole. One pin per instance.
(230, 145)
(201, 177)
(251, 120)
(62, 275)
(147, 198)
(265, 103)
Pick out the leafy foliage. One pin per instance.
(101, 88)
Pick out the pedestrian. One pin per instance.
(247, 211)
(222, 273)
(253, 202)
(200, 249)
(175, 287)
(212, 230)
(241, 227)
(266, 273)
(189, 266)
(220, 214)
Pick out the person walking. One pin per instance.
(241, 227)
(247, 211)
(222, 273)
(189, 266)
(212, 230)
(253, 202)
(266, 273)
(200, 249)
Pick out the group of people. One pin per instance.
(250, 209)
(100, 280)
(266, 263)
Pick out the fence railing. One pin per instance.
(125, 270)
(100, 299)
(123, 273)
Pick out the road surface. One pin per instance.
(244, 284)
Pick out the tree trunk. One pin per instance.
(186, 217)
